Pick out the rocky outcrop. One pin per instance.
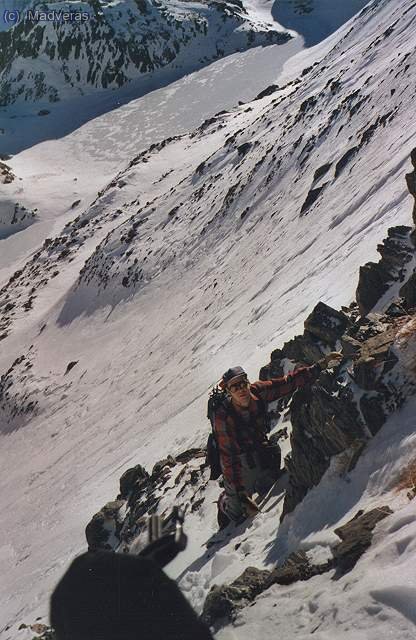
(296, 567)
(104, 528)
(19, 394)
(223, 602)
(408, 292)
(326, 324)
(121, 522)
(344, 407)
(325, 422)
(356, 537)
(323, 327)
(14, 217)
(376, 278)
(347, 406)
(411, 182)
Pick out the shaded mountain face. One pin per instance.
(113, 43)
(315, 20)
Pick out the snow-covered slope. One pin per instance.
(315, 20)
(115, 42)
(209, 249)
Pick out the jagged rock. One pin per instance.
(411, 182)
(350, 346)
(222, 603)
(142, 494)
(365, 373)
(190, 454)
(396, 309)
(304, 349)
(345, 160)
(104, 525)
(161, 466)
(375, 278)
(267, 92)
(132, 479)
(296, 567)
(405, 347)
(244, 148)
(326, 323)
(356, 537)
(408, 291)
(70, 366)
(375, 352)
(324, 423)
(373, 412)
(369, 326)
(312, 197)
(271, 370)
(321, 171)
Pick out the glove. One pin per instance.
(333, 358)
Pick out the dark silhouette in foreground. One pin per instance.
(113, 596)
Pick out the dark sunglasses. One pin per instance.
(238, 385)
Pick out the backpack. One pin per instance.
(218, 397)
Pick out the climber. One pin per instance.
(114, 596)
(248, 462)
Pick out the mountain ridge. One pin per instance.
(121, 42)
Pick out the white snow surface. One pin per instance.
(147, 353)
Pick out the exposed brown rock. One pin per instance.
(222, 603)
(356, 537)
(296, 567)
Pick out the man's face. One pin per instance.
(239, 390)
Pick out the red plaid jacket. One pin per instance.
(253, 434)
